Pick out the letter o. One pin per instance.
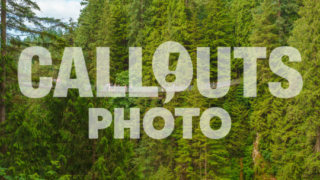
(148, 123)
(225, 123)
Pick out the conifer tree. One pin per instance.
(242, 18)
(305, 39)
(14, 14)
(216, 30)
(270, 114)
(265, 34)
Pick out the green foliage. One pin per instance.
(48, 138)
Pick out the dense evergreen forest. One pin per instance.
(270, 138)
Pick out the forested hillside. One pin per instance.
(270, 137)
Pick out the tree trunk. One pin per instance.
(3, 57)
(241, 168)
(141, 13)
(279, 5)
(205, 165)
(94, 159)
(200, 164)
(317, 146)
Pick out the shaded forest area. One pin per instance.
(270, 138)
